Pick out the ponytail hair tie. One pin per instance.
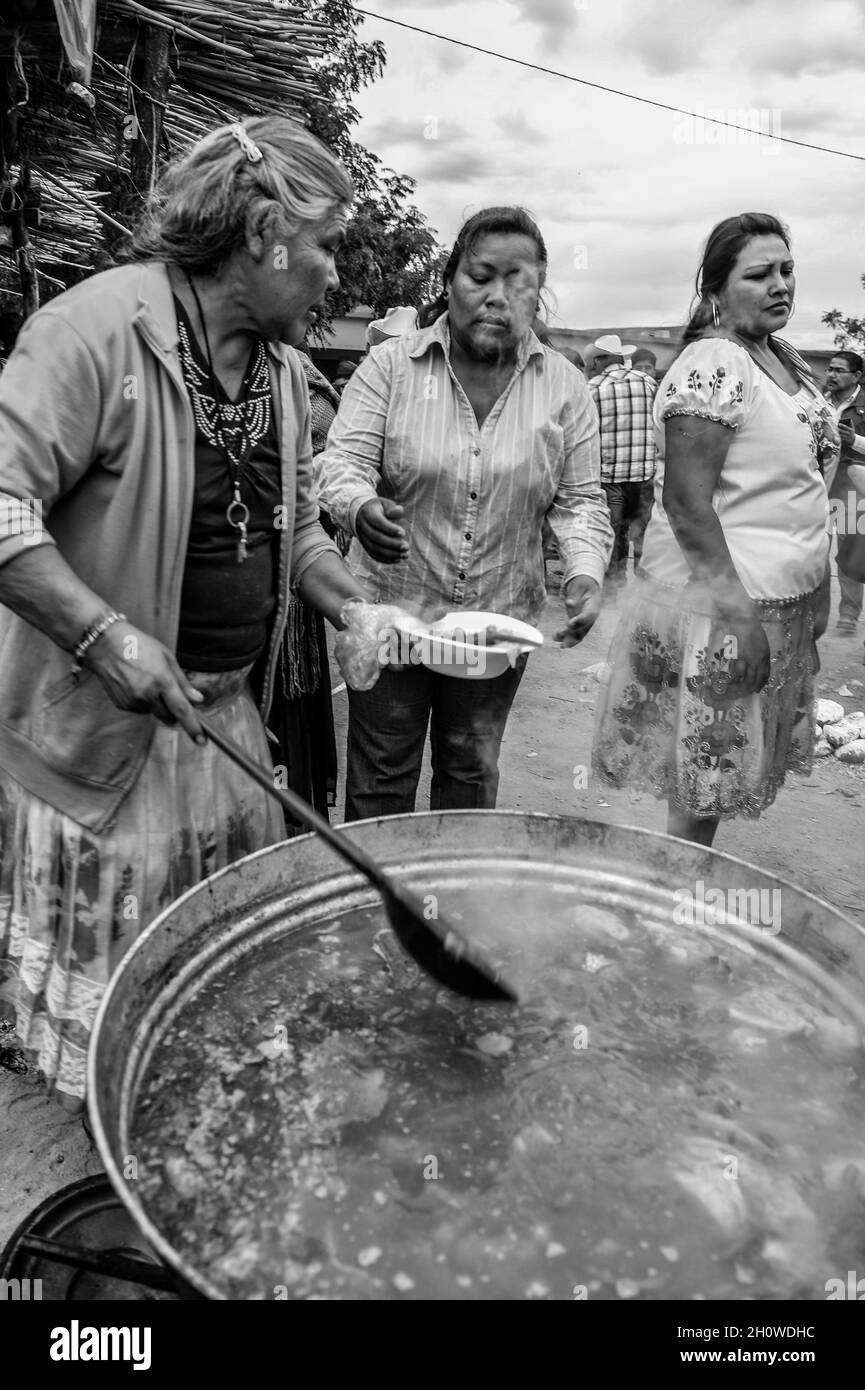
(252, 152)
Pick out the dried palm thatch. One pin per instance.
(235, 58)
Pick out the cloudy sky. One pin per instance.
(625, 193)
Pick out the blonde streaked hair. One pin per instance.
(206, 202)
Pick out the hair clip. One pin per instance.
(252, 152)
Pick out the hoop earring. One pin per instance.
(716, 322)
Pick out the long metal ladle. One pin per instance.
(438, 947)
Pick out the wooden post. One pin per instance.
(24, 252)
(154, 76)
(26, 255)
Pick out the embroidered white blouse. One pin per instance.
(771, 499)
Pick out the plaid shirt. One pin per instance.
(474, 496)
(623, 399)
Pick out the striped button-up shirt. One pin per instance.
(624, 398)
(474, 496)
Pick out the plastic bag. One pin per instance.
(367, 641)
(76, 20)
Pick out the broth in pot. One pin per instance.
(673, 1111)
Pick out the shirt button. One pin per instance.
(461, 575)
(468, 535)
(473, 496)
(475, 451)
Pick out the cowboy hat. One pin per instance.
(612, 344)
(395, 324)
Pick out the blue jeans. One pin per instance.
(387, 731)
(630, 506)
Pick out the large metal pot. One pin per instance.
(284, 893)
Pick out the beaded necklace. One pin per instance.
(237, 512)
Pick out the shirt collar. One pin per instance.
(615, 368)
(439, 332)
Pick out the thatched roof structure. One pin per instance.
(88, 149)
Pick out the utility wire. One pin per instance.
(613, 91)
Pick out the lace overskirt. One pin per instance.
(669, 720)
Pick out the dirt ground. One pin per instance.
(813, 836)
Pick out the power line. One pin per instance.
(599, 87)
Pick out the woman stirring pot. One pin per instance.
(155, 423)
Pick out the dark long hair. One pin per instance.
(488, 222)
(722, 248)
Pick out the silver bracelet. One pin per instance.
(92, 634)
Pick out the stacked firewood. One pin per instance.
(85, 147)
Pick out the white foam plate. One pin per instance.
(446, 646)
(464, 622)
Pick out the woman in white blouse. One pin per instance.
(709, 697)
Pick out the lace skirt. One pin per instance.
(669, 720)
(72, 902)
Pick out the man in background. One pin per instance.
(624, 395)
(846, 395)
(644, 360)
(398, 321)
(344, 372)
(552, 562)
